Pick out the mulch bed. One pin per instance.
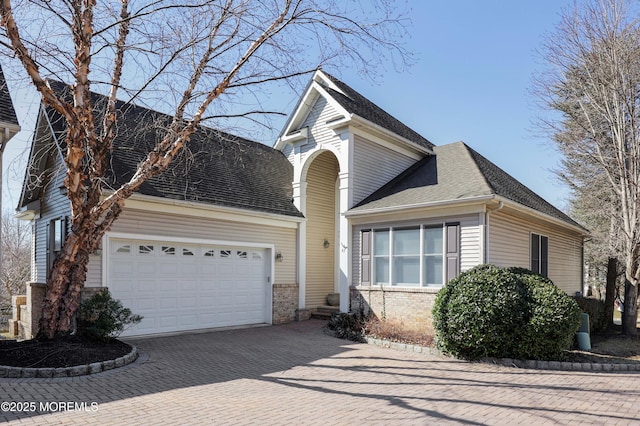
(63, 352)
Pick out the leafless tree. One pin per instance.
(16, 257)
(593, 81)
(193, 59)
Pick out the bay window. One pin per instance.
(407, 256)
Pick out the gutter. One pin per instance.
(357, 121)
(444, 203)
(207, 207)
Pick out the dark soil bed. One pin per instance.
(65, 352)
(611, 347)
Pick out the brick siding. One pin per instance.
(285, 303)
(412, 306)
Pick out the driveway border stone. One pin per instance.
(76, 370)
(530, 364)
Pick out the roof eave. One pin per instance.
(9, 130)
(358, 121)
(28, 212)
(210, 207)
(480, 199)
(528, 210)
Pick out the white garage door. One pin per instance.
(178, 287)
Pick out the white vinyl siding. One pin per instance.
(319, 133)
(170, 225)
(321, 223)
(509, 242)
(470, 243)
(55, 205)
(373, 166)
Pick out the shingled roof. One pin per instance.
(7, 112)
(355, 103)
(215, 168)
(456, 172)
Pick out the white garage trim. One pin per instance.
(268, 251)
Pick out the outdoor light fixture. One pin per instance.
(326, 243)
(279, 257)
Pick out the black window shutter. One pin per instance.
(453, 250)
(535, 253)
(544, 256)
(365, 258)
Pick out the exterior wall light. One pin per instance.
(326, 243)
(279, 256)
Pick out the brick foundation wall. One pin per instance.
(411, 306)
(285, 303)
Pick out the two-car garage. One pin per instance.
(181, 285)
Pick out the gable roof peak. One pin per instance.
(354, 106)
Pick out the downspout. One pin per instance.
(487, 214)
(4, 138)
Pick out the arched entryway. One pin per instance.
(321, 229)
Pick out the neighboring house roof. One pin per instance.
(355, 103)
(455, 173)
(215, 168)
(7, 113)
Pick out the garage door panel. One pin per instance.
(188, 286)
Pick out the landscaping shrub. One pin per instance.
(504, 312)
(480, 312)
(103, 317)
(348, 326)
(555, 318)
(595, 308)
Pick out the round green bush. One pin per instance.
(480, 312)
(504, 312)
(555, 318)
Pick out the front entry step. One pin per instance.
(324, 312)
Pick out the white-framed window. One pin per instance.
(56, 234)
(407, 256)
(539, 254)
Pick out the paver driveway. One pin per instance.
(295, 374)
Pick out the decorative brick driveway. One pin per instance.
(294, 374)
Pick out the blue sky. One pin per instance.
(471, 82)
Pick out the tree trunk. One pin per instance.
(64, 285)
(630, 314)
(610, 295)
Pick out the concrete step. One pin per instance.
(324, 312)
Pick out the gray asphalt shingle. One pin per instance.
(455, 172)
(215, 168)
(359, 105)
(7, 112)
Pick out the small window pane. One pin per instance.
(406, 271)
(433, 240)
(168, 250)
(241, 254)
(57, 232)
(406, 241)
(145, 249)
(124, 249)
(380, 243)
(433, 271)
(210, 253)
(187, 252)
(225, 253)
(381, 270)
